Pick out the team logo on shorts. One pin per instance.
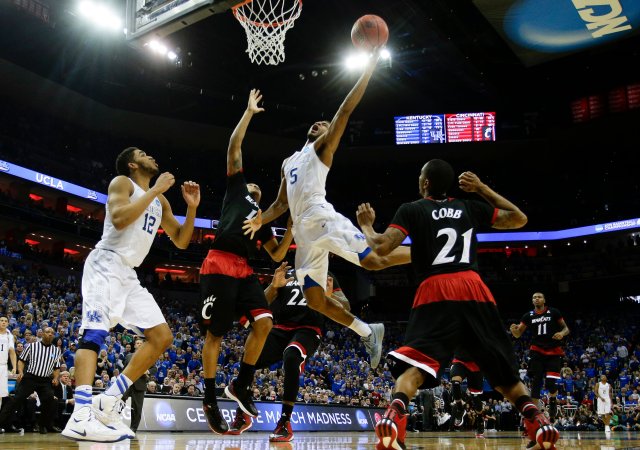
(360, 237)
(206, 307)
(94, 316)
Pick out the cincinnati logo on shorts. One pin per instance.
(206, 307)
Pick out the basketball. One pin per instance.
(369, 31)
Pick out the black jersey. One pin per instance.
(543, 326)
(290, 308)
(238, 206)
(443, 233)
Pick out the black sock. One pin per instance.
(245, 376)
(526, 407)
(210, 391)
(456, 390)
(286, 411)
(403, 398)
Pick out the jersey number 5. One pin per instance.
(452, 236)
(293, 175)
(293, 301)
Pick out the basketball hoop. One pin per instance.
(266, 23)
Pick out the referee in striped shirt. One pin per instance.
(38, 370)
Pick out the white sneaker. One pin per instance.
(83, 426)
(373, 343)
(108, 410)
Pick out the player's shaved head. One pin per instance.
(440, 176)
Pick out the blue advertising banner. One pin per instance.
(65, 186)
(540, 30)
(162, 413)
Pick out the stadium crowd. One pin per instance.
(338, 373)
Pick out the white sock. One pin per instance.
(119, 386)
(363, 329)
(82, 396)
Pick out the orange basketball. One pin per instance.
(369, 31)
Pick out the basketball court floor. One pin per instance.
(320, 441)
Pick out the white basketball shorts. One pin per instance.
(604, 407)
(4, 380)
(320, 231)
(112, 294)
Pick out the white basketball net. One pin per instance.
(266, 23)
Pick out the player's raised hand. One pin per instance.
(191, 193)
(164, 182)
(280, 276)
(255, 97)
(513, 328)
(469, 182)
(366, 215)
(253, 225)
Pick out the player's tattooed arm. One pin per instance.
(381, 243)
(509, 215)
(234, 152)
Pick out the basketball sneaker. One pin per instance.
(216, 422)
(108, 410)
(541, 432)
(391, 429)
(373, 343)
(243, 397)
(459, 415)
(283, 432)
(241, 423)
(84, 426)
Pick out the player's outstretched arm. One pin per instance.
(385, 243)
(279, 280)
(327, 144)
(275, 210)
(278, 250)
(509, 215)
(234, 152)
(181, 234)
(123, 211)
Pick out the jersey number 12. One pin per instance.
(149, 222)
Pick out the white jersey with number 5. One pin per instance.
(133, 242)
(306, 178)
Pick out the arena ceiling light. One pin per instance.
(161, 49)
(100, 15)
(357, 61)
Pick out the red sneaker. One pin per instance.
(282, 433)
(391, 429)
(540, 431)
(241, 423)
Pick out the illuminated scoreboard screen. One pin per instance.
(441, 128)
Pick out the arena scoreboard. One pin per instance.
(441, 128)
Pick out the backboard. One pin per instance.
(163, 17)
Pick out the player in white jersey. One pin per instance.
(113, 295)
(605, 400)
(7, 351)
(318, 229)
